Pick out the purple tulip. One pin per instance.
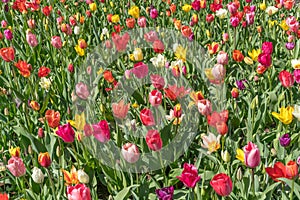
(285, 140)
(289, 45)
(165, 193)
(240, 84)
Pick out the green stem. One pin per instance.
(292, 190)
(253, 187)
(51, 183)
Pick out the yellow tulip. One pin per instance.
(254, 54)
(134, 11)
(240, 155)
(262, 6)
(283, 25)
(115, 18)
(93, 6)
(79, 50)
(15, 151)
(285, 115)
(180, 53)
(79, 122)
(186, 8)
(138, 54)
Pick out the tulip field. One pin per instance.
(158, 99)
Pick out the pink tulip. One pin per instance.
(267, 47)
(140, 70)
(142, 22)
(8, 34)
(250, 17)
(222, 58)
(155, 98)
(56, 42)
(3, 24)
(66, 133)
(232, 7)
(153, 13)
(297, 75)
(101, 131)
(16, 166)
(219, 72)
(157, 81)
(82, 90)
(265, 59)
(234, 21)
(189, 176)
(130, 152)
(31, 39)
(252, 155)
(120, 109)
(204, 107)
(154, 140)
(31, 23)
(78, 192)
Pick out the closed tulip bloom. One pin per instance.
(153, 13)
(222, 184)
(83, 177)
(4, 196)
(165, 193)
(78, 192)
(66, 133)
(189, 176)
(155, 98)
(31, 39)
(285, 140)
(267, 47)
(147, 117)
(82, 90)
(7, 54)
(130, 152)
(154, 140)
(290, 45)
(56, 42)
(291, 169)
(237, 56)
(265, 59)
(222, 58)
(157, 81)
(120, 109)
(209, 18)
(252, 155)
(286, 79)
(250, 18)
(101, 131)
(234, 21)
(37, 175)
(44, 159)
(278, 171)
(16, 166)
(14, 152)
(221, 127)
(8, 34)
(235, 93)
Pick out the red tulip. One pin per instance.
(291, 169)
(53, 118)
(43, 71)
(7, 54)
(222, 128)
(154, 140)
(222, 184)
(189, 176)
(147, 117)
(44, 159)
(130, 22)
(286, 78)
(3, 196)
(209, 18)
(158, 46)
(24, 68)
(252, 155)
(278, 171)
(237, 56)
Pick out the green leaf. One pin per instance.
(289, 183)
(123, 193)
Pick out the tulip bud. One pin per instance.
(40, 132)
(58, 154)
(6, 112)
(30, 150)
(239, 174)
(225, 156)
(44, 159)
(235, 93)
(83, 177)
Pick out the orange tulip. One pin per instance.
(7, 54)
(237, 56)
(24, 68)
(186, 31)
(108, 76)
(71, 177)
(213, 48)
(53, 118)
(291, 169)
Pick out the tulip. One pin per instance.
(130, 152)
(147, 117)
(130, 22)
(66, 133)
(261, 69)
(237, 56)
(295, 63)
(120, 109)
(165, 193)
(157, 81)
(252, 155)
(155, 98)
(24, 68)
(82, 90)
(204, 107)
(278, 171)
(158, 46)
(3, 196)
(83, 177)
(31, 39)
(291, 169)
(286, 78)
(250, 17)
(234, 21)
(56, 42)
(44, 159)
(240, 84)
(37, 175)
(138, 54)
(285, 115)
(218, 72)
(142, 22)
(14, 152)
(40, 133)
(221, 127)
(8, 34)
(235, 93)
(267, 48)
(34, 105)
(232, 7)
(79, 191)
(140, 70)
(211, 142)
(53, 118)
(107, 75)
(134, 11)
(225, 156)
(101, 131)
(222, 184)
(154, 140)
(209, 18)
(265, 59)
(285, 140)
(153, 13)
(16, 166)
(43, 71)
(290, 45)
(222, 58)
(189, 175)
(7, 54)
